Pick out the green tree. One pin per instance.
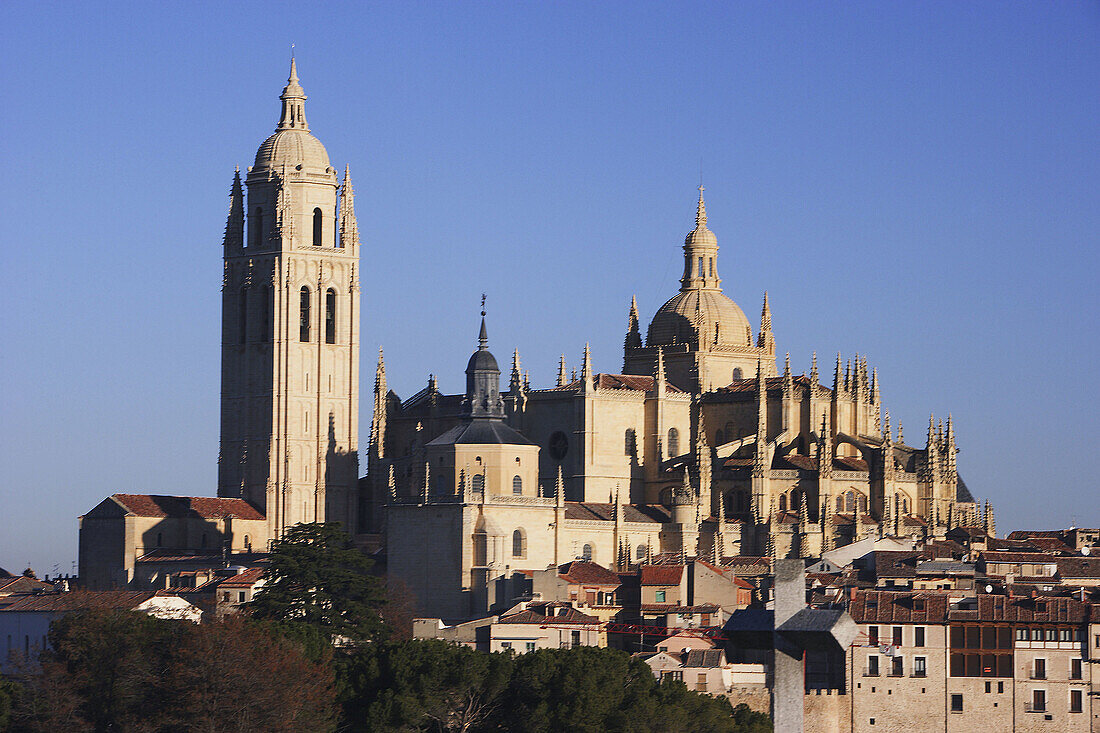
(316, 577)
(427, 685)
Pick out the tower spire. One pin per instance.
(234, 225)
(294, 102)
(633, 332)
(700, 253)
(701, 209)
(814, 376)
(765, 339)
(561, 371)
(483, 335)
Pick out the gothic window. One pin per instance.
(673, 442)
(330, 316)
(630, 441)
(737, 374)
(318, 221)
(639, 553)
(519, 544)
(257, 227)
(586, 552)
(782, 502)
(242, 315)
(303, 319)
(517, 485)
(479, 483)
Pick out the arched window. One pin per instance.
(479, 483)
(630, 440)
(318, 221)
(586, 552)
(330, 316)
(519, 544)
(517, 485)
(303, 315)
(737, 374)
(242, 315)
(701, 272)
(782, 502)
(673, 442)
(257, 226)
(639, 553)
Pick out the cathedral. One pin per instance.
(700, 446)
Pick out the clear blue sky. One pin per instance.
(916, 182)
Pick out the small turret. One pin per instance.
(814, 376)
(633, 329)
(515, 384)
(349, 227)
(586, 366)
(659, 373)
(561, 372)
(234, 224)
(765, 340)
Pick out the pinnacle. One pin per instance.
(701, 211)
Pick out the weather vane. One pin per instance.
(483, 304)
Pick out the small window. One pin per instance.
(303, 315)
(897, 636)
(1075, 701)
(330, 316)
(1050, 634)
(956, 703)
(1039, 701)
(872, 665)
(897, 667)
(478, 483)
(872, 635)
(586, 552)
(639, 553)
(1040, 670)
(204, 539)
(505, 645)
(318, 227)
(517, 485)
(1021, 634)
(738, 374)
(530, 646)
(241, 597)
(519, 544)
(920, 667)
(160, 540)
(1075, 669)
(659, 596)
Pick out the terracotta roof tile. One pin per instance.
(549, 613)
(81, 600)
(207, 507)
(246, 579)
(662, 574)
(583, 572)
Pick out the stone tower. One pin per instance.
(290, 332)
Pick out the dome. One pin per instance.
(292, 148)
(700, 236)
(674, 322)
(482, 360)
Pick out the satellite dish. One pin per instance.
(1086, 550)
(989, 589)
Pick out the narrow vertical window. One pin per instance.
(519, 544)
(318, 221)
(673, 442)
(330, 316)
(265, 313)
(242, 315)
(303, 314)
(701, 271)
(517, 485)
(257, 226)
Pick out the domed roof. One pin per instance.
(700, 236)
(482, 360)
(292, 148)
(722, 321)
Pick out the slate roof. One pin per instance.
(481, 431)
(78, 600)
(205, 507)
(662, 574)
(582, 572)
(890, 564)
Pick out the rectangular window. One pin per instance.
(988, 687)
(872, 635)
(918, 636)
(1075, 703)
(920, 667)
(872, 665)
(1075, 669)
(1050, 634)
(505, 645)
(241, 597)
(1021, 634)
(1036, 634)
(701, 683)
(956, 703)
(897, 636)
(1065, 634)
(958, 664)
(530, 646)
(1039, 671)
(660, 596)
(1039, 701)
(897, 668)
(575, 638)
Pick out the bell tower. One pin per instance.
(290, 332)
